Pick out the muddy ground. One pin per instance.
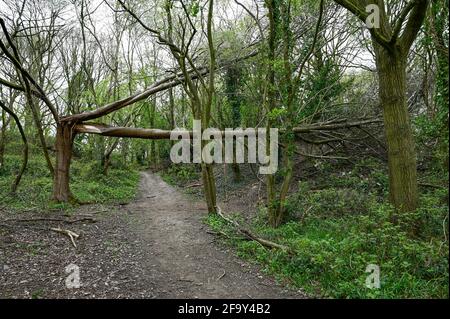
(155, 247)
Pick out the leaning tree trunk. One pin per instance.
(403, 192)
(63, 145)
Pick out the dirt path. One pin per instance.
(183, 260)
(154, 247)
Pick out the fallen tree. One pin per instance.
(65, 131)
(157, 134)
(159, 86)
(69, 126)
(120, 131)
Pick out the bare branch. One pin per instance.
(362, 15)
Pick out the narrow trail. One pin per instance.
(181, 259)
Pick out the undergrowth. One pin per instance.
(87, 183)
(337, 231)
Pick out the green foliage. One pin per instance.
(90, 185)
(181, 174)
(432, 125)
(87, 184)
(324, 86)
(276, 112)
(329, 202)
(336, 232)
(194, 8)
(434, 130)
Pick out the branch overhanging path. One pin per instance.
(116, 131)
(158, 86)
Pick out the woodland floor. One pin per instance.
(155, 247)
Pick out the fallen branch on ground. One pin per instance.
(68, 233)
(224, 234)
(432, 185)
(194, 185)
(223, 275)
(248, 234)
(72, 235)
(83, 219)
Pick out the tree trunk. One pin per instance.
(236, 171)
(3, 140)
(151, 112)
(63, 145)
(172, 109)
(278, 216)
(288, 100)
(106, 164)
(271, 101)
(40, 131)
(232, 81)
(209, 187)
(403, 192)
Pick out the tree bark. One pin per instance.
(271, 102)
(403, 192)
(232, 78)
(40, 131)
(205, 112)
(392, 43)
(3, 140)
(152, 110)
(209, 187)
(63, 145)
(168, 6)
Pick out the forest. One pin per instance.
(349, 103)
